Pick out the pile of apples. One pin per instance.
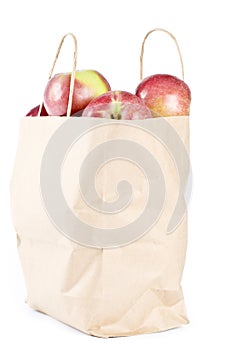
(159, 95)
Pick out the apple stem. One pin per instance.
(116, 110)
(116, 116)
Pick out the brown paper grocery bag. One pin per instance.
(98, 207)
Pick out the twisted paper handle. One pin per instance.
(69, 106)
(143, 45)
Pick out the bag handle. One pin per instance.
(72, 82)
(177, 46)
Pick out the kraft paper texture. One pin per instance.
(105, 292)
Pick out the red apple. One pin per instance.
(88, 85)
(165, 95)
(117, 105)
(77, 114)
(34, 112)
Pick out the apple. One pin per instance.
(77, 114)
(34, 112)
(117, 105)
(165, 95)
(88, 85)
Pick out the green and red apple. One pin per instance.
(117, 105)
(88, 85)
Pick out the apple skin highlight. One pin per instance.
(88, 85)
(117, 105)
(165, 95)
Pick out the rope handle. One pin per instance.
(72, 82)
(143, 45)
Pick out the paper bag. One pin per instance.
(99, 210)
(129, 289)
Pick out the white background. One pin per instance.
(109, 37)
